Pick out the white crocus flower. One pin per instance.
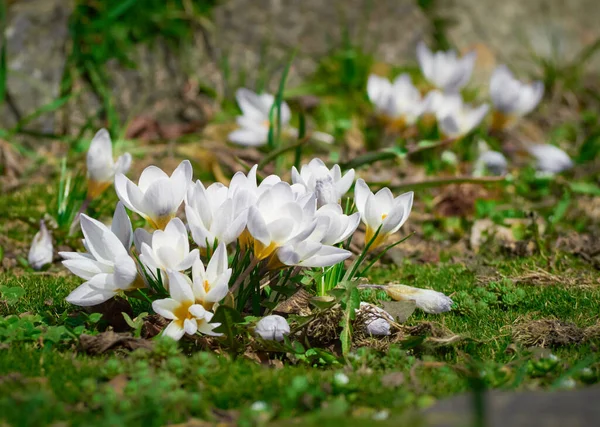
(444, 69)
(279, 219)
(169, 250)
(255, 119)
(333, 226)
(41, 251)
(186, 316)
(157, 196)
(428, 300)
(101, 168)
(512, 98)
(210, 285)
(399, 102)
(381, 210)
(107, 267)
(550, 159)
(272, 328)
(307, 253)
(455, 118)
(212, 215)
(329, 185)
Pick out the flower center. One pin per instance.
(183, 312)
(206, 286)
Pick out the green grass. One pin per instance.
(45, 381)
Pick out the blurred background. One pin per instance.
(71, 66)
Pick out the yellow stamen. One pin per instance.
(183, 312)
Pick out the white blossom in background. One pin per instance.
(213, 216)
(168, 250)
(254, 122)
(272, 328)
(400, 102)
(381, 210)
(329, 185)
(489, 162)
(107, 266)
(512, 99)
(101, 168)
(549, 158)
(377, 320)
(41, 250)
(455, 118)
(186, 316)
(445, 70)
(157, 196)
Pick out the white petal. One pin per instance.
(121, 226)
(100, 158)
(150, 175)
(165, 307)
(180, 286)
(174, 331)
(248, 137)
(86, 296)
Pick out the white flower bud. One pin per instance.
(377, 322)
(272, 328)
(40, 252)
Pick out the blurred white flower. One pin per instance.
(212, 214)
(255, 120)
(278, 219)
(272, 328)
(512, 98)
(328, 185)
(444, 69)
(340, 379)
(491, 162)
(210, 285)
(549, 158)
(186, 316)
(169, 250)
(455, 118)
(157, 196)
(101, 168)
(107, 266)
(428, 300)
(377, 320)
(381, 210)
(41, 251)
(400, 101)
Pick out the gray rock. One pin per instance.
(533, 408)
(36, 35)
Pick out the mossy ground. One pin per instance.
(45, 378)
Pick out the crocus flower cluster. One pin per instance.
(256, 120)
(400, 104)
(279, 224)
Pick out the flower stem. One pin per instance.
(240, 279)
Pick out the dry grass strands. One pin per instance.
(547, 333)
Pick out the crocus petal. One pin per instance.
(174, 331)
(121, 226)
(180, 286)
(248, 138)
(150, 175)
(165, 307)
(86, 296)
